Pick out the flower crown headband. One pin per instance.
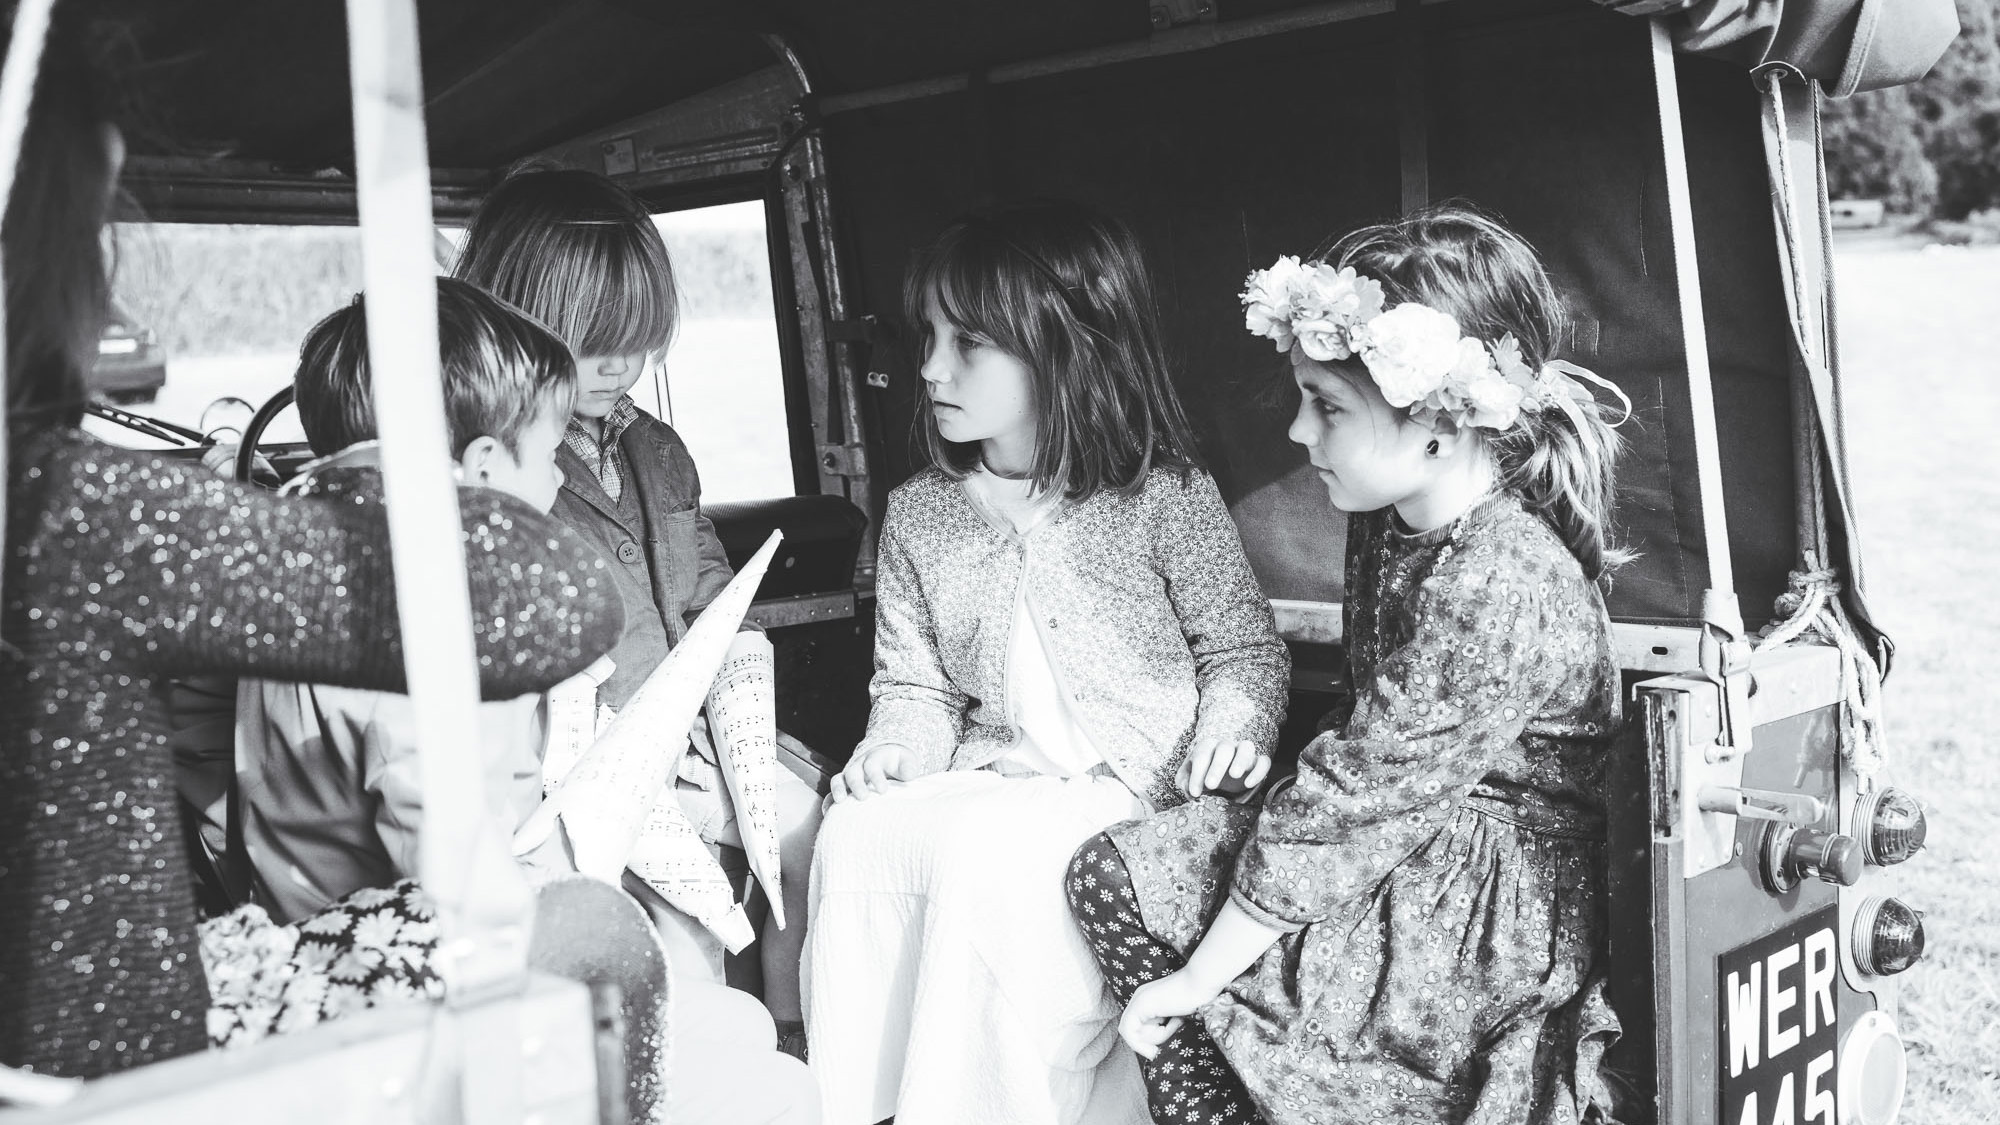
(1415, 353)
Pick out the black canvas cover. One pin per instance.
(1224, 159)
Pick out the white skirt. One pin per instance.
(944, 980)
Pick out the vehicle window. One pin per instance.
(722, 384)
(207, 319)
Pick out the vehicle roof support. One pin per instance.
(483, 905)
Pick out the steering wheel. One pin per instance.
(246, 453)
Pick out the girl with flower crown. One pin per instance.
(1067, 636)
(1411, 931)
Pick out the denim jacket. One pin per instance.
(1155, 625)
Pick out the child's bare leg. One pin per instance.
(798, 828)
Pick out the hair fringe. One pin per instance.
(1064, 289)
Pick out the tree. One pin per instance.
(1932, 147)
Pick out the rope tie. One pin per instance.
(1811, 612)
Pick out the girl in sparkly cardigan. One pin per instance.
(1065, 619)
(120, 568)
(1412, 931)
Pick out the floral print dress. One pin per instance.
(377, 946)
(1438, 863)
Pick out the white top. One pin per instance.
(1050, 740)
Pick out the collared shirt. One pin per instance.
(606, 463)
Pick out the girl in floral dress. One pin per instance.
(1410, 932)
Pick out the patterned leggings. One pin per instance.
(1188, 1081)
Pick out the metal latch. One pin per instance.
(1798, 809)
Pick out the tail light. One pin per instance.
(1872, 1072)
(1888, 936)
(1891, 825)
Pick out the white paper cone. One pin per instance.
(605, 800)
(743, 713)
(670, 856)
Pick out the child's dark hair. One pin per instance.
(579, 252)
(502, 372)
(1459, 260)
(1064, 289)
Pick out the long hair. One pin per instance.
(1063, 289)
(578, 253)
(503, 371)
(57, 288)
(1458, 260)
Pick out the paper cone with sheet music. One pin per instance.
(615, 804)
(743, 716)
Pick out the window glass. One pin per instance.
(207, 319)
(722, 384)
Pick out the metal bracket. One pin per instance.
(1176, 13)
(844, 460)
(1725, 662)
(1686, 717)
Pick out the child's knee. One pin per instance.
(799, 819)
(1095, 863)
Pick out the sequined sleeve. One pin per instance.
(1428, 720)
(1242, 670)
(167, 566)
(914, 702)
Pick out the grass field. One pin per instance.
(1920, 332)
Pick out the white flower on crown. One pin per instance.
(1409, 350)
(1271, 297)
(1415, 354)
(1335, 304)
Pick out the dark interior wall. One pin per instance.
(1226, 158)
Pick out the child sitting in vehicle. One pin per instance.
(329, 789)
(1068, 635)
(1413, 930)
(581, 253)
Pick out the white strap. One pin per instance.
(1725, 653)
(1694, 327)
(17, 97)
(483, 904)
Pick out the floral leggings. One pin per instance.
(1188, 1081)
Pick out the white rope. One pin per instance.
(1818, 620)
(17, 98)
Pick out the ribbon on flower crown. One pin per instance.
(1416, 354)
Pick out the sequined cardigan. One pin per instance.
(1155, 626)
(122, 568)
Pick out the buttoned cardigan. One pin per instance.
(1155, 626)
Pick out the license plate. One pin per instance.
(1777, 1007)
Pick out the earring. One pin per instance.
(1432, 448)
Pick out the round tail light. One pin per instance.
(1872, 1072)
(1891, 825)
(1888, 935)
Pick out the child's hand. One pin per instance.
(875, 770)
(1227, 769)
(1157, 1009)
